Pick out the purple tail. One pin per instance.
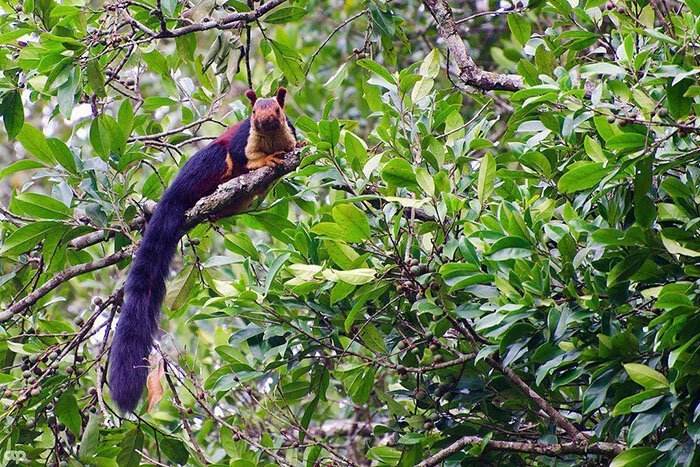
(145, 288)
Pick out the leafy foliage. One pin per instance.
(445, 263)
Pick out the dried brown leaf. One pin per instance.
(155, 388)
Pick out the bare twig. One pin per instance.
(338, 28)
(180, 409)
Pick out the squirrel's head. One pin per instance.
(268, 114)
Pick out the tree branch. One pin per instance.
(553, 414)
(604, 449)
(60, 278)
(227, 22)
(236, 188)
(469, 73)
(561, 421)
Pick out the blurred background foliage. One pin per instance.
(480, 276)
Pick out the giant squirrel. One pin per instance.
(255, 142)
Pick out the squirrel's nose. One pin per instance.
(270, 121)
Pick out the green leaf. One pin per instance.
(106, 137)
(352, 219)
(337, 78)
(179, 290)
(625, 405)
(385, 455)
(24, 164)
(289, 62)
(626, 268)
(487, 172)
(377, 69)
(430, 67)
(356, 276)
(295, 390)
(285, 15)
(510, 248)
(679, 106)
(157, 62)
(425, 181)
(276, 266)
(67, 412)
(383, 19)
(340, 291)
(545, 60)
(361, 386)
(156, 102)
(333, 230)
(126, 116)
(27, 237)
(355, 147)
(399, 173)
(131, 446)
(91, 436)
(594, 150)
(585, 175)
(520, 28)
(373, 338)
(175, 450)
(478, 144)
(35, 143)
(422, 89)
(645, 376)
(95, 78)
(595, 393)
(41, 206)
(636, 457)
(63, 155)
(647, 422)
(330, 131)
(626, 142)
(12, 113)
(694, 6)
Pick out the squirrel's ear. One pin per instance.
(250, 94)
(281, 94)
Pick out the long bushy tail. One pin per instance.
(145, 288)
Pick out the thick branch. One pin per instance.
(227, 22)
(604, 449)
(469, 73)
(239, 187)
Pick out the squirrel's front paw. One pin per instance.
(271, 160)
(274, 159)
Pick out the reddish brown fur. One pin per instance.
(228, 135)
